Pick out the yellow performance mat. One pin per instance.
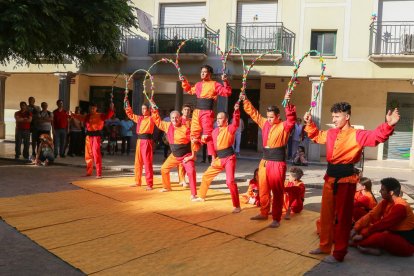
(111, 228)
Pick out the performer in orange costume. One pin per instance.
(185, 120)
(178, 136)
(224, 157)
(294, 192)
(252, 194)
(344, 145)
(272, 167)
(364, 200)
(144, 148)
(94, 123)
(389, 226)
(206, 91)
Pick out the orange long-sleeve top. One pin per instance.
(366, 201)
(175, 135)
(395, 215)
(145, 124)
(207, 89)
(223, 137)
(94, 122)
(186, 121)
(345, 146)
(276, 135)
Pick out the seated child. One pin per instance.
(45, 150)
(299, 158)
(252, 194)
(294, 192)
(364, 200)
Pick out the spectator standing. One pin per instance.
(34, 109)
(297, 136)
(60, 128)
(75, 135)
(126, 134)
(44, 121)
(23, 119)
(237, 140)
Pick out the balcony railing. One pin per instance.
(167, 38)
(392, 38)
(257, 38)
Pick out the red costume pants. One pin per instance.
(93, 154)
(219, 164)
(202, 124)
(143, 158)
(293, 199)
(271, 181)
(390, 242)
(336, 218)
(173, 162)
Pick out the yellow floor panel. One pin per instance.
(111, 228)
(300, 231)
(100, 254)
(217, 254)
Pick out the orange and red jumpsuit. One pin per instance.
(389, 226)
(363, 203)
(180, 144)
(272, 167)
(203, 115)
(144, 147)
(94, 124)
(343, 149)
(223, 140)
(181, 171)
(294, 196)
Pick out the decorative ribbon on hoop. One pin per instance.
(246, 70)
(182, 44)
(320, 85)
(294, 79)
(152, 88)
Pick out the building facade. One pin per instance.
(369, 60)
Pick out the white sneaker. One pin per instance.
(198, 199)
(163, 190)
(236, 210)
(184, 184)
(193, 197)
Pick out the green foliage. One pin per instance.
(58, 30)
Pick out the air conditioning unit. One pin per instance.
(407, 44)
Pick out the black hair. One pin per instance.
(302, 148)
(21, 103)
(341, 107)
(187, 105)
(145, 104)
(208, 67)
(391, 184)
(256, 172)
(59, 101)
(273, 109)
(365, 181)
(93, 104)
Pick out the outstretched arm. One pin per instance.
(129, 112)
(252, 112)
(187, 87)
(158, 122)
(236, 119)
(224, 89)
(372, 138)
(316, 135)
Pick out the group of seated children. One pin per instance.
(294, 192)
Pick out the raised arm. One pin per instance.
(316, 135)
(290, 111)
(158, 122)
(224, 89)
(129, 112)
(188, 88)
(236, 119)
(253, 113)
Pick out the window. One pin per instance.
(324, 42)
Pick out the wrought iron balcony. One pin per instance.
(167, 38)
(392, 41)
(257, 38)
